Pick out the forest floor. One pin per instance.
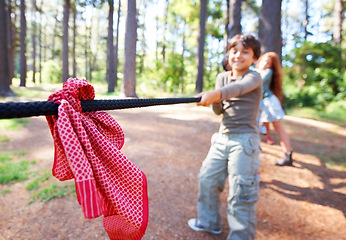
(168, 143)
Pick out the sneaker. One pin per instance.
(195, 225)
(286, 160)
(263, 130)
(270, 141)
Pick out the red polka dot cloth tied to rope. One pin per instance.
(87, 149)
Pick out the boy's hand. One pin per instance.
(209, 97)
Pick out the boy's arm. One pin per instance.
(217, 107)
(250, 81)
(211, 97)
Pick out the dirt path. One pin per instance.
(169, 143)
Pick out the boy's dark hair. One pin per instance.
(248, 41)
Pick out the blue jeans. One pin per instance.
(234, 155)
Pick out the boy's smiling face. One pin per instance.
(240, 59)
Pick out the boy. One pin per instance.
(235, 148)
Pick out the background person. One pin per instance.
(269, 66)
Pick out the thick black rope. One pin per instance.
(29, 109)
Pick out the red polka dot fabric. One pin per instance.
(87, 149)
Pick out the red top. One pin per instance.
(87, 148)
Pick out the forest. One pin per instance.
(173, 46)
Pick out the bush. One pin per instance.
(51, 71)
(337, 110)
(317, 77)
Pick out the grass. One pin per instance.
(4, 138)
(39, 179)
(311, 113)
(5, 191)
(13, 124)
(4, 157)
(52, 191)
(38, 182)
(14, 171)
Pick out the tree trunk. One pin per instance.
(40, 43)
(142, 41)
(270, 26)
(235, 18)
(10, 39)
(200, 49)
(182, 68)
(338, 20)
(33, 37)
(74, 64)
(227, 25)
(65, 74)
(306, 21)
(53, 52)
(116, 45)
(129, 80)
(110, 76)
(22, 44)
(4, 60)
(164, 31)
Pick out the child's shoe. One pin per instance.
(286, 160)
(270, 141)
(195, 225)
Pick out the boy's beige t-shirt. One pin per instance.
(241, 98)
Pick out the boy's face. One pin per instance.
(241, 59)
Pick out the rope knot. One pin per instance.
(74, 90)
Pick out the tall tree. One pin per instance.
(227, 24)
(164, 42)
(22, 44)
(65, 62)
(74, 36)
(40, 42)
(129, 80)
(306, 21)
(338, 20)
(55, 31)
(4, 60)
(33, 39)
(142, 41)
(11, 38)
(117, 44)
(110, 75)
(200, 48)
(235, 18)
(269, 30)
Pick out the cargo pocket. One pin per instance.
(251, 147)
(248, 187)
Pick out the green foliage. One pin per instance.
(99, 76)
(317, 77)
(172, 75)
(51, 71)
(310, 55)
(336, 110)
